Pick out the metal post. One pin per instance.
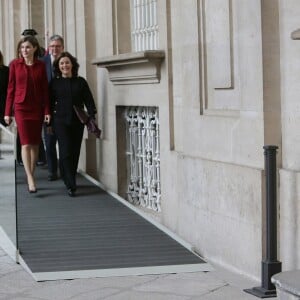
(270, 265)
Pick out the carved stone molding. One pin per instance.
(295, 35)
(133, 68)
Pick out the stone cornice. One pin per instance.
(295, 35)
(133, 68)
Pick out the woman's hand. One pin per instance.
(47, 119)
(8, 120)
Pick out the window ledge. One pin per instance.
(133, 68)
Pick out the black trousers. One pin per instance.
(50, 143)
(69, 138)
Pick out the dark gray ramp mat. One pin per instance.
(92, 231)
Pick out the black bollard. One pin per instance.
(270, 265)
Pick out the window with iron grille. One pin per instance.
(144, 26)
(143, 157)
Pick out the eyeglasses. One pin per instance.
(55, 46)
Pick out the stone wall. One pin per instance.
(289, 173)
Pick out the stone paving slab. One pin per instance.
(17, 284)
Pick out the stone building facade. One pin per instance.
(188, 93)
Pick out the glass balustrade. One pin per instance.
(8, 220)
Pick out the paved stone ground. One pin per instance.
(17, 284)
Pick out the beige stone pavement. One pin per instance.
(17, 284)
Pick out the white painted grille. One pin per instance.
(143, 157)
(144, 27)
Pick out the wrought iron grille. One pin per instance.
(143, 157)
(144, 26)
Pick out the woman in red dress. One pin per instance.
(27, 97)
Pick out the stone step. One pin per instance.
(287, 285)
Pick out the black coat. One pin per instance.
(4, 72)
(66, 92)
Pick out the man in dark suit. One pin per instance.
(55, 48)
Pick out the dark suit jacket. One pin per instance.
(17, 85)
(49, 68)
(3, 88)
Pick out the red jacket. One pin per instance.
(17, 85)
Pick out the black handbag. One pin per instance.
(85, 119)
(81, 114)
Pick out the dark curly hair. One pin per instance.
(75, 65)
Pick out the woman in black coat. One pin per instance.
(4, 73)
(68, 89)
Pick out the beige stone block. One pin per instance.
(289, 222)
(217, 204)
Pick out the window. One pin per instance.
(144, 27)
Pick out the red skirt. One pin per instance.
(30, 130)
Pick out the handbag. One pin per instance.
(85, 119)
(81, 114)
(93, 128)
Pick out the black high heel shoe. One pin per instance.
(32, 191)
(71, 192)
